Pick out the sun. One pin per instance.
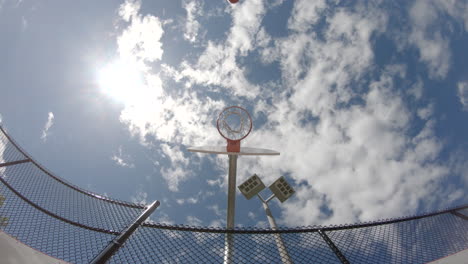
(121, 80)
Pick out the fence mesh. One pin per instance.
(66, 222)
(48, 234)
(414, 241)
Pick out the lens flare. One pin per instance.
(121, 80)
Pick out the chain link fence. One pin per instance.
(66, 222)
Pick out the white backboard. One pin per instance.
(243, 151)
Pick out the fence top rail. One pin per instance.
(299, 229)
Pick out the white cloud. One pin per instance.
(177, 170)
(48, 125)
(217, 65)
(217, 223)
(192, 200)
(460, 165)
(174, 176)
(193, 221)
(247, 21)
(433, 47)
(129, 9)
(201, 195)
(456, 9)
(251, 215)
(140, 196)
(183, 121)
(141, 40)
(354, 152)
(194, 9)
(181, 118)
(425, 112)
(344, 138)
(462, 93)
(305, 14)
(164, 218)
(216, 210)
(344, 154)
(216, 182)
(349, 152)
(122, 159)
(416, 90)
(24, 23)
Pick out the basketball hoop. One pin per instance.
(234, 124)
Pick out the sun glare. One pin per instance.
(122, 81)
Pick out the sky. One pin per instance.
(367, 102)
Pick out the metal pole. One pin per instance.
(231, 191)
(333, 247)
(14, 162)
(285, 258)
(231, 209)
(115, 244)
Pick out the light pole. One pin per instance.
(281, 190)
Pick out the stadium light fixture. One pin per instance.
(251, 187)
(280, 189)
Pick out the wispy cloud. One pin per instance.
(217, 65)
(193, 221)
(194, 9)
(48, 125)
(122, 160)
(174, 176)
(305, 14)
(141, 39)
(462, 92)
(219, 213)
(202, 195)
(431, 40)
(140, 197)
(164, 218)
(24, 23)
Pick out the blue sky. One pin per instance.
(367, 101)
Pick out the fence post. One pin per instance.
(117, 243)
(333, 247)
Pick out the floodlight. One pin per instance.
(281, 189)
(251, 187)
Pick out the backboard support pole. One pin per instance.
(231, 211)
(231, 207)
